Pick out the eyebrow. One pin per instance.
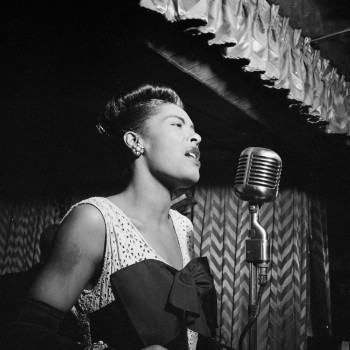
(182, 119)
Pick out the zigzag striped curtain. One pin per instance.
(296, 227)
(299, 259)
(21, 225)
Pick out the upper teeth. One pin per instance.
(191, 154)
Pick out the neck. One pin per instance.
(146, 200)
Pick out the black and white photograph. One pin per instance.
(175, 175)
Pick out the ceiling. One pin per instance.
(63, 63)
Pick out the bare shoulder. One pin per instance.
(84, 227)
(75, 257)
(86, 215)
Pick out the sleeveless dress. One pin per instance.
(125, 246)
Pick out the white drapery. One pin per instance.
(253, 30)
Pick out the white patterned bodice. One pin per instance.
(125, 246)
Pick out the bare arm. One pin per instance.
(77, 253)
(76, 256)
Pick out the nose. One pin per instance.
(196, 138)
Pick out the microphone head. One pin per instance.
(258, 175)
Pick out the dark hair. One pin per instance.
(129, 112)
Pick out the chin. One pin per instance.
(191, 181)
(186, 180)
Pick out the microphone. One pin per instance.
(258, 175)
(257, 180)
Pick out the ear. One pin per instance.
(130, 138)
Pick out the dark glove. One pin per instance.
(205, 343)
(34, 326)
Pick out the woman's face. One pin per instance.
(171, 147)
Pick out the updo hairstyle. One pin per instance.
(129, 112)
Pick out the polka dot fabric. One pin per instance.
(126, 246)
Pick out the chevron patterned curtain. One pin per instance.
(21, 225)
(22, 222)
(296, 227)
(297, 300)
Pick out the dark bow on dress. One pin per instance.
(160, 300)
(193, 291)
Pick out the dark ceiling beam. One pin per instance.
(195, 59)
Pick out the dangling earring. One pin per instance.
(137, 149)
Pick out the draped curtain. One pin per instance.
(296, 226)
(22, 223)
(254, 30)
(296, 302)
(21, 226)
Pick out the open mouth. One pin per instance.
(193, 153)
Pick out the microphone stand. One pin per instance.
(258, 256)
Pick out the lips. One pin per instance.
(193, 152)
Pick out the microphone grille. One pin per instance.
(258, 174)
(241, 169)
(264, 171)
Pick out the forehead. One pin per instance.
(164, 111)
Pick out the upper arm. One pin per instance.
(77, 252)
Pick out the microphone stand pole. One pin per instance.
(253, 331)
(258, 257)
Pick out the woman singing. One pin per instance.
(124, 265)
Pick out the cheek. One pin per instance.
(167, 146)
(165, 155)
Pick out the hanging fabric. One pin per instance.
(297, 71)
(260, 51)
(285, 56)
(293, 223)
(272, 71)
(318, 85)
(21, 227)
(254, 31)
(245, 17)
(226, 28)
(296, 226)
(309, 73)
(338, 91)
